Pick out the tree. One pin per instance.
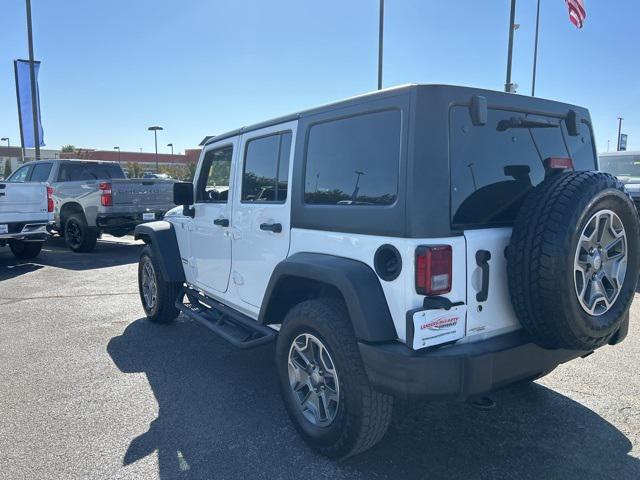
(7, 168)
(68, 148)
(134, 170)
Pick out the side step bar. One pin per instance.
(236, 328)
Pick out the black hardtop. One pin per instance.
(422, 206)
(453, 93)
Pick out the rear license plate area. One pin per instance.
(428, 328)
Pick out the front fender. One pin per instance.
(161, 237)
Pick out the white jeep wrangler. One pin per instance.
(429, 241)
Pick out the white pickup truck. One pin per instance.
(26, 209)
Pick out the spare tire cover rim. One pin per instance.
(600, 263)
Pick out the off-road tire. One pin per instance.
(363, 414)
(164, 309)
(541, 255)
(25, 250)
(83, 239)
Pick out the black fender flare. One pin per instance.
(161, 237)
(356, 282)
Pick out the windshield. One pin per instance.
(623, 165)
(494, 166)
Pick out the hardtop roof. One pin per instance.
(537, 104)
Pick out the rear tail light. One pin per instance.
(50, 205)
(433, 269)
(558, 163)
(106, 198)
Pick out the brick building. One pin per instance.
(145, 159)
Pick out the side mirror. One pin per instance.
(183, 195)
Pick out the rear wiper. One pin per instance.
(521, 122)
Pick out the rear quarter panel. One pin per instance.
(400, 293)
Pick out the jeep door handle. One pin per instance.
(482, 260)
(271, 227)
(221, 222)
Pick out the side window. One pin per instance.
(70, 172)
(266, 169)
(354, 161)
(213, 182)
(41, 172)
(21, 175)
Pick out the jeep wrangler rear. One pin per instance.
(428, 241)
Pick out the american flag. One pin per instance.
(577, 13)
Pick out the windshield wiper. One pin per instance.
(521, 122)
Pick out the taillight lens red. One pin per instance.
(106, 199)
(558, 163)
(433, 269)
(50, 205)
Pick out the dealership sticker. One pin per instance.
(434, 327)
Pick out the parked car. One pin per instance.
(163, 176)
(422, 241)
(93, 197)
(625, 166)
(25, 212)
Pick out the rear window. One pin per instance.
(73, 172)
(494, 166)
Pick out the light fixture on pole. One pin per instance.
(155, 129)
(170, 145)
(118, 149)
(6, 139)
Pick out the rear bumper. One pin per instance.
(26, 231)
(459, 371)
(124, 221)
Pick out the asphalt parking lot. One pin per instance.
(90, 389)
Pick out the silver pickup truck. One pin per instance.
(93, 197)
(25, 213)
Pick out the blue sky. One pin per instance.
(202, 67)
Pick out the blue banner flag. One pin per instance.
(25, 107)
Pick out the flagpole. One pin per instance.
(535, 52)
(380, 43)
(508, 86)
(32, 76)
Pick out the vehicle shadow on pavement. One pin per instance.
(56, 254)
(220, 416)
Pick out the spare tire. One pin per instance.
(573, 260)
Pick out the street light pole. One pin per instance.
(118, 149)
(380, 43)
(6, 139)
(619, 132)
(32, 77)
(155, 129)
(508, 86)
(535, 52)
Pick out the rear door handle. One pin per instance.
(482, 259)
(222, 222)
(271, 227)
